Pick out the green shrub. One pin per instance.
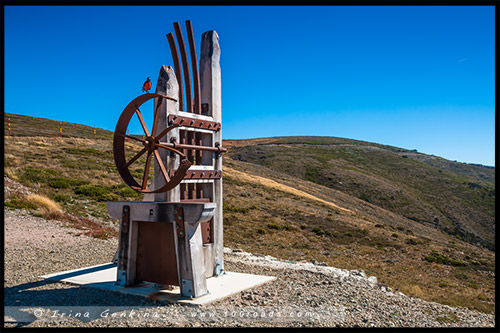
(229, 208)
(318, 231)
(32, 175)
(125, 191)
(261, 231)
(444, 260)
(59, 182)
(61, 198)
(97, 192)
(311, 175)
(394, 235)
(411, 241)
(364, 197)
(279, 227)
(63, 182)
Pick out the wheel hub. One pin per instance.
(150, 143)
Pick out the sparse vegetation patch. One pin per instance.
(444, 260)
(97, 192)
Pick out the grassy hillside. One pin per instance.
(32, 126)
(347, 203)
(454, 197)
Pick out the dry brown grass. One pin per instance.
(47, 205)
(414, 290)
(271, 183)
(91, 228)
(51, 210)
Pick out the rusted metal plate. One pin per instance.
(195, 123)
(179, 222)
(201, 174)
(156, 253)
(206, 231)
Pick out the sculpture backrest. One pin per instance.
(199, 121)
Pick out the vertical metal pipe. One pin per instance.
(185, 66)
(177, 68)
(194, 66)
(190, 191)
(199, 191)
(182, 135)
(190, 141)
(198, 152)
(183, 191)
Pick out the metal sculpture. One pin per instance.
(174, 236)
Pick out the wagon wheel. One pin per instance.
(151, 145)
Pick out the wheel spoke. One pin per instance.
(146, 171)
(131, 137)
(161, 165)
(157, 115)
(143, 123)
(165, 131)
(170, 148)
(135, 157)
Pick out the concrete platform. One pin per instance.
(104, 277)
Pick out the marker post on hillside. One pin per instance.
(95, 137)
(9, 126)
(60, 129)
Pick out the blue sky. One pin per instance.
(412, 77)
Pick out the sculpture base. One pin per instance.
(104, 277)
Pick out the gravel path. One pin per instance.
(302, 295)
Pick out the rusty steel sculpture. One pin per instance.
(174, 236)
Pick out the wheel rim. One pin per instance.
(151, 145)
